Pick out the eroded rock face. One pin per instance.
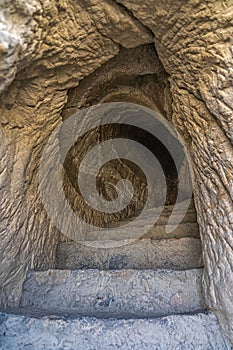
(48, 48)
(195, 331)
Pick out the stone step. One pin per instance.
(136, 232)
(168, 209)
(182, 230)
(175, 254)
(189, 217)
(114, 294)
(184, 332)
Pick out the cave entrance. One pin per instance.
(123, 240)
(143, 82)
(164, 193)
(116, 247)
(180, 248)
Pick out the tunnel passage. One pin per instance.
(136, 246)
(142, 81)
(177, 251)
(111, 172)
(44, 67)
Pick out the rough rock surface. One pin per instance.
(48, 47)
(175, 254)
(194, 43)
(193, 332)
(156, 232)
(122, 293)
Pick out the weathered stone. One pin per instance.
(115, 22)
(189, 217)
(175, 254)
(29, 113)
(122, 293)
(157, 232)
(192, 332)
(194, 44)
(183, 230)
(48, 48)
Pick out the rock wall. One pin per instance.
(48, 48)
(194, 43)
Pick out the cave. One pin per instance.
(79, 77)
